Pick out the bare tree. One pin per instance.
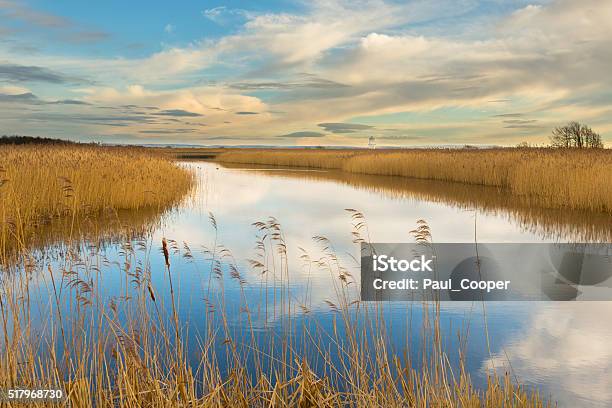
(592, 139)
(575, 134)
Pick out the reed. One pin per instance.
(107, 328)
(579, 179)
(129, 348)
(43, 183)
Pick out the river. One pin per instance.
(561, 348)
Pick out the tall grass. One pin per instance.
(109, 330)
(42, 183)
(550, 178)
(132, 349)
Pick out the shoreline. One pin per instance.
(572, 179)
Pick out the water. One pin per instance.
(561, 348)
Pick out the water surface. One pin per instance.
(561, 348)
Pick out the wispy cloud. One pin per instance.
(178, 112)
(67, 29)
(27, 98)
(520, 121)
(223, 15)
(17, 10)
(335, 63)
(70, 102)
(509, 115)
(343, 127)
(302, 134)
(167, 131)
(305, 82)
(22, 73)
(84, 37)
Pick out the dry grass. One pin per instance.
(42, 183)
(549, 178)
(131, 349)
(110, 335)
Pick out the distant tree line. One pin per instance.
(576, 135)
(21, 140)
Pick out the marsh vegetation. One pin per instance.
(574, 225)
(152, 321)
(128, 346)
(577, 179)
(107, 327)
(45, 186)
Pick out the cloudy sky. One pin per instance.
(317, 72)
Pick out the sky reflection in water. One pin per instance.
(561, 347)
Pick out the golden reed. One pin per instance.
(42, 183)
(550, 178)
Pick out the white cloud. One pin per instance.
(214, 13)
(304, 38)
(13, 90)
(541, 58)
(225, 16)
(204, 100)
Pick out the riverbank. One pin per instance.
(157, 321)
(577, 179)
(41, 184)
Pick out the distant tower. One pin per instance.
(372, 142)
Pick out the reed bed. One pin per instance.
(579, 179)
(40, 183)
(107, 327)
(553, 224)
(131, 349)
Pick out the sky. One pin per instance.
(317, 72)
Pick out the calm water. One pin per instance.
(565, 349)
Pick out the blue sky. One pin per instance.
(322, 72)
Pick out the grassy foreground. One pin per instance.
(132, 348)
(551, 178)
(43, 183)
